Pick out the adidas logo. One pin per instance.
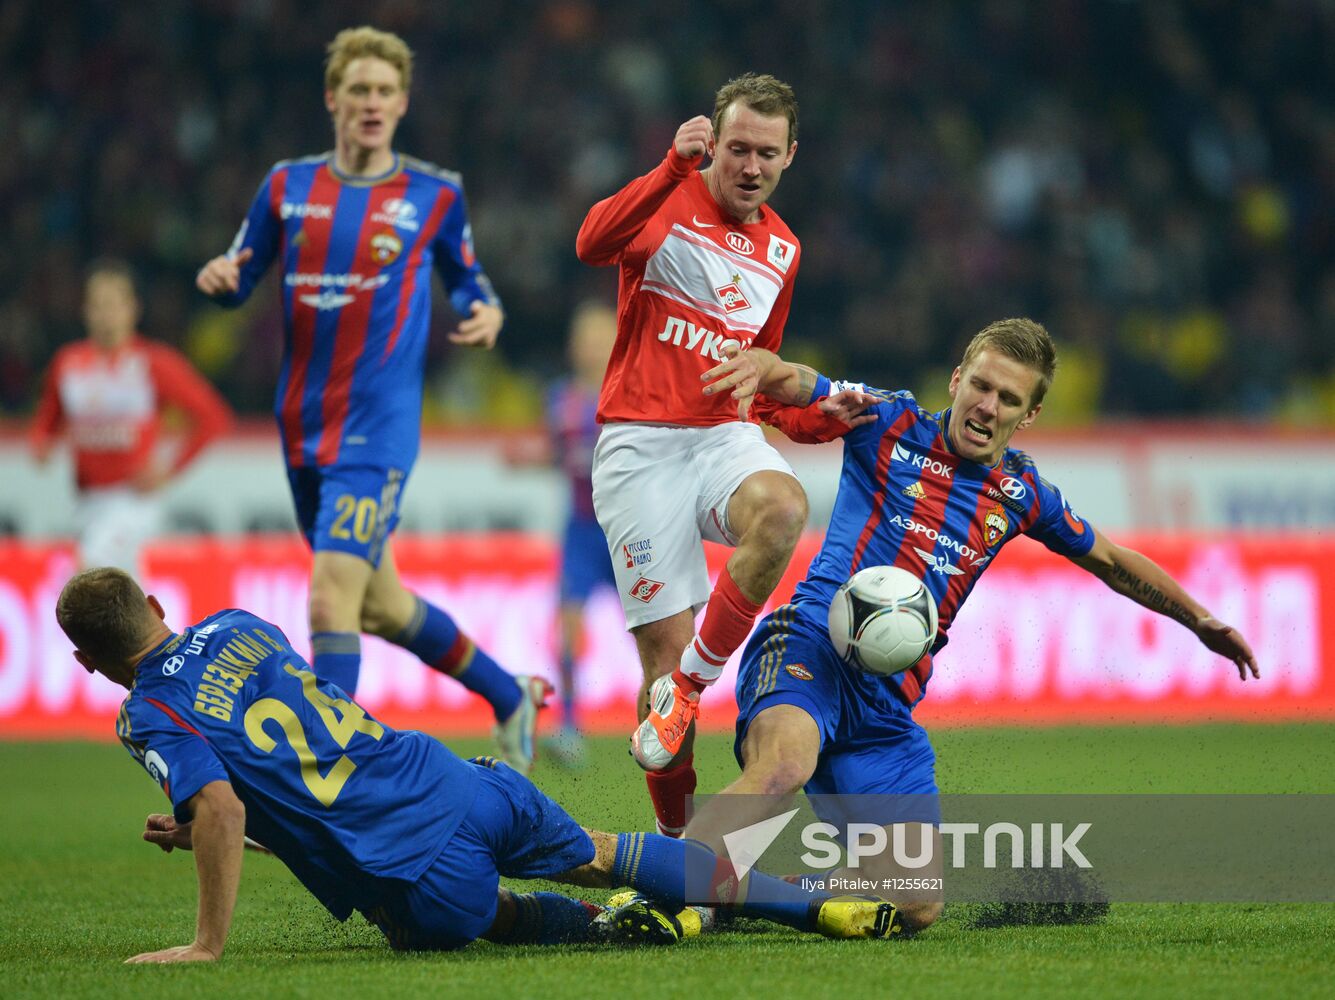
(916, 491)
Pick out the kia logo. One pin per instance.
(739, 243)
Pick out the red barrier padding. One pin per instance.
(1039, 641)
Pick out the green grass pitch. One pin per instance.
(79, 892)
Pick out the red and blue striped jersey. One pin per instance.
(356, 255)
(906, 499)
(346, 802)
(572, 423)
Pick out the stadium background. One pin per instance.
(1154, 181)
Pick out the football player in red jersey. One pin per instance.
(107, 394)
(706, 270)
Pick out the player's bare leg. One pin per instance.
(779, 755)
(767, 512)
(338, 586)
(395, 613)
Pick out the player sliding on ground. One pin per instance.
(247, 741)
(937, 494)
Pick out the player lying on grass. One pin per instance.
(247, 741)
(937, 494)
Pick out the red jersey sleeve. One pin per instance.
(614, 222)
(803, 424)
(49, 419)
(180, 386)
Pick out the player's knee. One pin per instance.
(781, 776)
(387, 609)
(784, 514)
(921, 914)
(376, 619)
(326, 609)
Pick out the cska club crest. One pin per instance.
(995, 525)
(732, 296)
(385, 248)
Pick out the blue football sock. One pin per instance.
(568, 692)
(677, 872)
(435, 639)
(550, 918)
(337, 657)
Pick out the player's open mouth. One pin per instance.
(749, 188)
(978, 430)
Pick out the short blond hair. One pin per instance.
(763, 94)
(105, 614)
(1025, 341)
(356, 43)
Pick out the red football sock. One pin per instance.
(668, 790)
(729, 616)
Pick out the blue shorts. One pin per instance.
(511, 829)
(347, 508)
(869, 743)
(585, 562)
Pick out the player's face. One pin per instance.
(991, 399)
(367, 105)
(750, 152)
(110, 309)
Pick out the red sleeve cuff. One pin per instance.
(679, 166)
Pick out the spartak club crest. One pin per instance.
(732, 296)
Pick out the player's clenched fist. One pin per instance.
(222, 274)
(694, 137)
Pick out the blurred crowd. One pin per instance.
(1153, 180)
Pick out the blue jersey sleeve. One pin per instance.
(260, 233)
(895, 403)
(458, 265)
(173, 753)
(1059, 527)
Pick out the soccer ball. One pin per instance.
(882, 620)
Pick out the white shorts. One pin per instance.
(114, 524)
(658, 492)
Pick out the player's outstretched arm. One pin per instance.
(1138, 577)
(216, 835)
(760, 372)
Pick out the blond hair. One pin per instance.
(761, 93)
(356, 43)
(105, 614)
(1022, 339)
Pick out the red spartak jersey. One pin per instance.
(111, 403)
(694, 280)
